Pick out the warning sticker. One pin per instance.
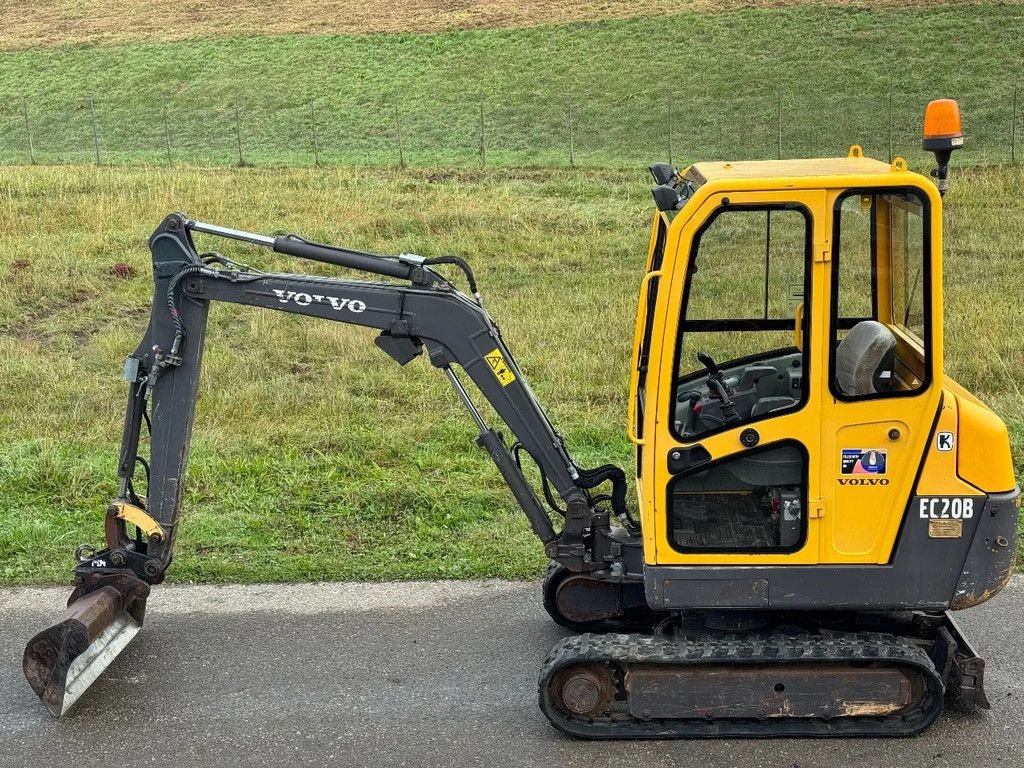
(863, 461)
(500, 368)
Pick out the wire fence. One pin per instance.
(505, 130)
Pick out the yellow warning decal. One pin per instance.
(500, 368)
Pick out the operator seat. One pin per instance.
(864, 359)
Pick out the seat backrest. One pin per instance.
(863, 354)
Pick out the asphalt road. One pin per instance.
(417, 674)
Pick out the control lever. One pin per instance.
(718, 388)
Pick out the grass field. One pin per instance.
(702, 82)
(316, 457)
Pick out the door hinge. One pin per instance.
(815, 509)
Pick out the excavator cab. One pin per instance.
(789, 406)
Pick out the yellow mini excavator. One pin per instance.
(815, 495)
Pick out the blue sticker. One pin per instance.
(863, 461)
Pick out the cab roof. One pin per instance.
(783, 169)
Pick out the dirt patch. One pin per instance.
(50, 23)
(123, 271)
(47, 23)
(736, 5)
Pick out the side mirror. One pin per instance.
(666, 197)
(663, 173)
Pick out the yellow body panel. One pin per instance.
(979, 430)
(845, 523)
(939, 473)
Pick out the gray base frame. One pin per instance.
(924, 574)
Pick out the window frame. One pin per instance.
(734, 324)
(846, 323)
(836, 324)
(643, 361)
(805, 505)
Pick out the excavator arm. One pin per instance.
(418, 310)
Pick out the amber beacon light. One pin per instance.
(942, 134)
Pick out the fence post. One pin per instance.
(167, 133)
(780, 122)
(28, 130)
(95, 132)
(398, 134)
(671, 100)
(483, 136)
(238, 134)
(1013, 129)
(572, 142)
(316, 137)
(890, 124)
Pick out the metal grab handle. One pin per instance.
(641, 322)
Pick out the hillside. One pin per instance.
(69, 22)
(699, 83)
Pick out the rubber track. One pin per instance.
(766, 648)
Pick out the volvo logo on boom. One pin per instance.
(305, 299)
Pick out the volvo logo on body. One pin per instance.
(863, 481)
(305, 299)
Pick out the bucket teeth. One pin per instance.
(63, 660)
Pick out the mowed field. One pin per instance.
(315, 456)
(498, 82)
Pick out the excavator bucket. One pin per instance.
(63, 660)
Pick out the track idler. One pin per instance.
(104, 613)
(583, 602)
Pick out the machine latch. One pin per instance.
(815, 509)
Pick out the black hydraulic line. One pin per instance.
(589, 478)
(549, 497)
(509, 467)
(491, 441)
(145, 468)
(461, 264)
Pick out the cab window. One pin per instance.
(737, 359)
(881, 308)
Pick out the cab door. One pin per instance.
(732, 468)
(883, 385)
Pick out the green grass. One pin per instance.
(836, 68)
(315, 456)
